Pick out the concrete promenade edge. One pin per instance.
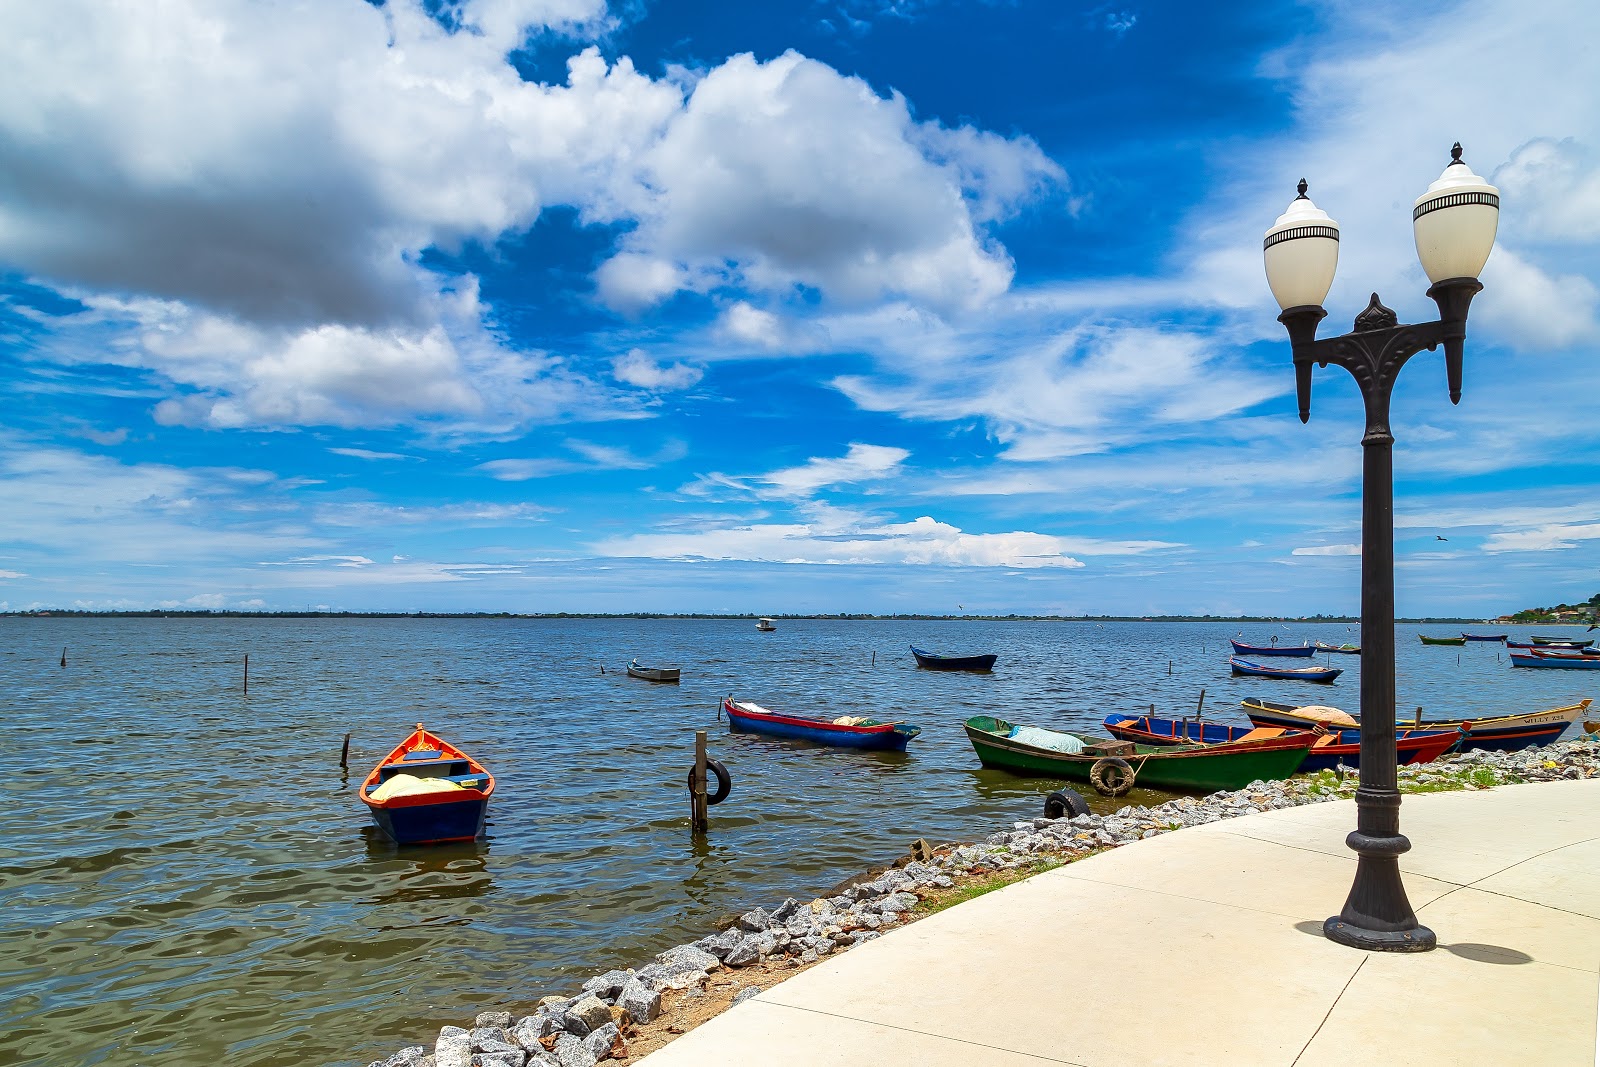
(1205, 946)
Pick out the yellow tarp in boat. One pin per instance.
(406, 785)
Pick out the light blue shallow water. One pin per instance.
(187, 878)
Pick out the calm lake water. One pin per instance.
(187, 878)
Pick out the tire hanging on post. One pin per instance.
(1111, 776)
(715, 769)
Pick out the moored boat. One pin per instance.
(746, 716)
(1345, 649)
(1243, 649)
(1031, 750)
(1573, 659)
(765, 625)
(1425, 639)
(1558, 642)
(1503, 733)
(1324, 675)
(426, 792)
(653, 674)
(1332, 748)
(1500, 638)
(934, 662)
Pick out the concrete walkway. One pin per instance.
(1205, 946)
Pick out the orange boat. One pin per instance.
(427, 791)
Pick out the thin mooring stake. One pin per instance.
(344, 754)
(698, 821)
(1200, 707)
(247, 674)
(63, 655)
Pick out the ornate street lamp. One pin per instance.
(1454, 222)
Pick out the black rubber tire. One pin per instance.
(1065, 804)
(716, 770)
(1110, 776)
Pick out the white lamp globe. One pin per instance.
(1455, 222)
(1301, 251)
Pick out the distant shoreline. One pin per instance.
(851, 617)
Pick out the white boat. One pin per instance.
(765, 625)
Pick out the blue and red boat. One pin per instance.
(1567, 659)
(1499, 733)
(1336, 746)
(427, 791)
(1243, 649)
(1324, 675)
(849, 731)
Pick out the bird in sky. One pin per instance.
(1440, 537)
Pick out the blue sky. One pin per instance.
(545, 305)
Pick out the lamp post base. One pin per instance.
(1416, 939)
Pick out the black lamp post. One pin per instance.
(1454, 223)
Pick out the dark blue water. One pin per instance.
(186, 876)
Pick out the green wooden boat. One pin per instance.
(1425, 639)
(1196, 768)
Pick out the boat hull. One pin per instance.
(1197, 769)
(654, 674)
(1343, 650)
(933, 662)
(1441, 640)
(1501, 733)
(1336, 747)
(1496, 638)
(885, 738)
(433, 824)
(1324, 675)
(1243, 649)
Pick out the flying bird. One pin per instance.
(1440, 537)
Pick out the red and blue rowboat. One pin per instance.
(1499, 733)
(1335, 747)
(746, 716)
(1568, 660)
(935, 662)
(1303, 674)
(1272, 650)
(427, 791)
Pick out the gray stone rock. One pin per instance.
(586, 1014)
(699, 958)
(755, 920)
(896, 902)
(453, 1048)
(865, 935)
(600, 1041)
(501, 1019)
(514, 1058)
(746, 993)
(572, 1052)
(788, 908)
(745, 953)
(493, 1039)
(406, 1057)
(528, 1031)
(640, 1002)
(608, 985)
(719, 945)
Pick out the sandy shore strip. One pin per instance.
(623, 1015)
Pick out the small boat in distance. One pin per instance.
(746, 716)
(1425, 639)
(1033, 751)
(1499, 733)
(1272, 650)
(934, 662)
(1501, 638)
(426, 792)
(1567, 659)
(1346, 650)
(1324, 675)
(1332, 748)
(1559, 642)
(653, 674)
(765, 625)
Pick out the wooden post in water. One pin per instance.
(698, 821)
(344, 754)
(1200, 708)
(247, 674)
(1418, 720)
(1169, 668)
(874, 657)
(63, 655)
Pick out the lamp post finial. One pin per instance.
(1302, 187)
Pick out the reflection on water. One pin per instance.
(186, 876)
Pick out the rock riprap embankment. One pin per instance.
(593, 1024)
